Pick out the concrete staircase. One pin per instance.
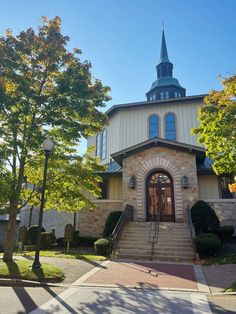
(174, 242)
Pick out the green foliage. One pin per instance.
(46, 89)
(111, 222)
(204, 218)
(87, 241)
(47, 240)
(225, 232)
(217, 128)
(76, 239)
(102, 247)
(32, 234)
(208, 244)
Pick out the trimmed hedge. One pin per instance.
(225, 232)
(204, 218)
(76, 239)
(47, 240)
(32, 234)
(208, 244)
(87, 241)
(111, 222)
(102, 247)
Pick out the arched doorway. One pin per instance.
(160, 195)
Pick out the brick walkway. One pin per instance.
(141, 274)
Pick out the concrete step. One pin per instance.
(157, 246)
(174, 253)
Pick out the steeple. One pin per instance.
(166, 86)
(164, 53)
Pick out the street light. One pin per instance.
(48, 146)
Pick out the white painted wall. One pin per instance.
(129, 126)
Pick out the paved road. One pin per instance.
(87, 300)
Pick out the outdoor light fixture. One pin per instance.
(184, 182)
(132, 182)
(47, 146)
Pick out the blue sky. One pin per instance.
(121, 38)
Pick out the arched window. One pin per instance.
(98, 144)
(104, 143)
(170, 127)
(153, 126)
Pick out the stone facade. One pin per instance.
(176, 162)
(52, 219)
(91, 221)
(225, 209)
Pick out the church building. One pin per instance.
(149, 143)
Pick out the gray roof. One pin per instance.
(156, 141)
(172, 101)
(165, 81)
(113, 168)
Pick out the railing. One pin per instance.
(154, 230)
(192, 231)
(127, 215)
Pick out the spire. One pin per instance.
(164, 54)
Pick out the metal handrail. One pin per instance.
(192, 230)
(127, 215)
(155, 223)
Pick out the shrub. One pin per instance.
(60, 241)
(47, 239)
(76, 239)
(111, 222)
(204, 218)
(225, 232)
(208, 244)
(87, 241)
(32, 234)
(102, 247)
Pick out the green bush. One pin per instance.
(32, 234)
(225, 232)
(76, 239)
(87, 241)
(102, 247)
(204, 218)
(208, 244)
(111, 222)
(47, 240)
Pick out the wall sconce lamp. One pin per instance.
(185, 182)
(132, 182)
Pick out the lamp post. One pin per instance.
(48, 146)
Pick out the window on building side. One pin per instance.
(170, 127)
(176, 94)
(167, 95)
(153, 126)
(104, 144)
(162, 95)
(224, 187)
(98, 144)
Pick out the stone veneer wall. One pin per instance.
(91, 221)
(177, 163)
(225, 209)
(52, 219)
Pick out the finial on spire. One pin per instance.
(162, 26)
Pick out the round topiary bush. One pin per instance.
(204, 218)
(111, 222)
(102, 247)
(32, 234)
(47, 240)
(208, 244)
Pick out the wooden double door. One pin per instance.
(160, 196)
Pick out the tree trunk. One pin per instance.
(10, 236)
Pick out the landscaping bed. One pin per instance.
(21, 269)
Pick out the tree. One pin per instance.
(46, 89)
(217, 128)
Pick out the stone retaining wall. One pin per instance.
(91, 221)
(225, 209)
